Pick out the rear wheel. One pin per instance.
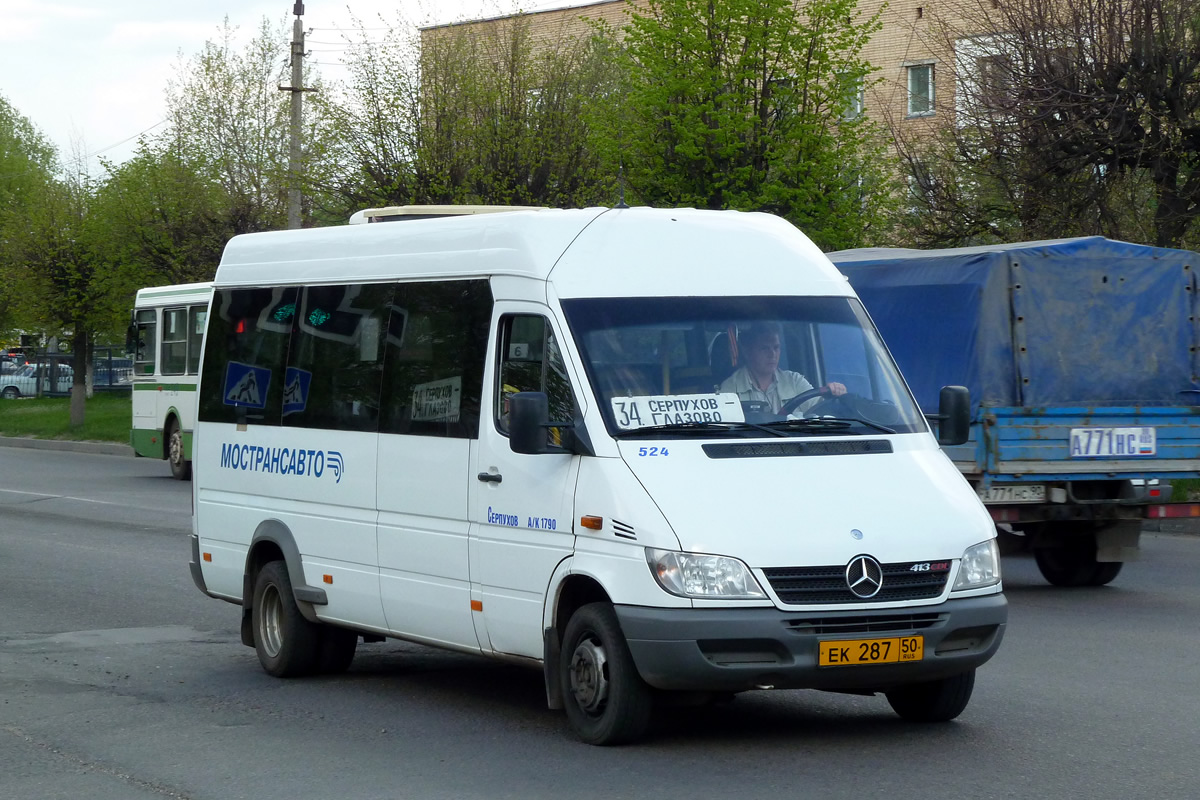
(11, 393)
(181, 468)
(934, 701)
(606, 700)
(1071, 562)
(1106, 571)
(288, 645)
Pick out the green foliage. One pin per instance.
(230, 124)
(480, 116)
(27, 162)
(750, 104)
(162, 217)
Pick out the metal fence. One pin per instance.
(52, 374)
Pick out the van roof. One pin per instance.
(593, 252)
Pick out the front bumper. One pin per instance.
(735, 649)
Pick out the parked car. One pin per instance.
(22, 382)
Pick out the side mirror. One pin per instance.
(528, 417)
(131, 338)
(954, 415)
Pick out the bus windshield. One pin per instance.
(739, 366)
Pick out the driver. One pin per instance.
(760, 378)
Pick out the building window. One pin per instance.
(853, 96)
(920, 90)
(995, 82)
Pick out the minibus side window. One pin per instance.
(435, 355)
(530, 361)
(174, 341)
(246, 354)
(335, 362)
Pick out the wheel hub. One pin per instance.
(270, 625)
(589, 676)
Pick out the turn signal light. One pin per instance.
(327, 578)
(208, 556)
(592, 523)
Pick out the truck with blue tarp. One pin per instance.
(1081, 357)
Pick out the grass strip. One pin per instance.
(106, 418)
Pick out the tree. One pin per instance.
(27, 160)
(469, 114)
(156, 214)
(752, 105)
(68, 283)
(1072, 118)
(229, 122)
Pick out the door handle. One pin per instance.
(490, 477)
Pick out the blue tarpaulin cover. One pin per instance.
(1071, 322)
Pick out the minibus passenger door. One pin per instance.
(521, 505)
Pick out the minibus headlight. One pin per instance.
(980, 566)
(698, 575)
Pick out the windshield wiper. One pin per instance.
(698, 427)
(826, 423)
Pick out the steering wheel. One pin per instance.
(795, 402)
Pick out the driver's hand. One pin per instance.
(836, 388)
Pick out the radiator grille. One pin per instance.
(801, 586)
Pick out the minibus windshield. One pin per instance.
(739, 366)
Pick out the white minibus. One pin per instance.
(165, 336)
(661, 455)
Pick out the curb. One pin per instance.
(96, 448)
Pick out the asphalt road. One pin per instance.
(118, 679)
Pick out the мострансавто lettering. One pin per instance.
(281, 460)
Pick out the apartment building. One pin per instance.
(913, 52)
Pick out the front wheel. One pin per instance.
(606, 700)
(287, 644)
(934, 701)
(11, 393)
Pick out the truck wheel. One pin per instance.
(1072, 563)
(288, 645)
(606, 700)
(1106, 571)
(935, 701)
(181, 468)
(11, 393)
(337, 650)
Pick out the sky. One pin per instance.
(91, 74)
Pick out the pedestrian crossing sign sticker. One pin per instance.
(295, 390)
(246, 386)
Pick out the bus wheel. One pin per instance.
(288, 645)
(934, 701)
(337, 650)
(606, 700)
(181, 468)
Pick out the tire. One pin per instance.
(337, 650)
(606, 700)
(935, 701)
(287, 644)
(11, 393)
(1106, 571)
(1072, 563)
(181, 468)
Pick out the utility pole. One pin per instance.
(297, 89)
